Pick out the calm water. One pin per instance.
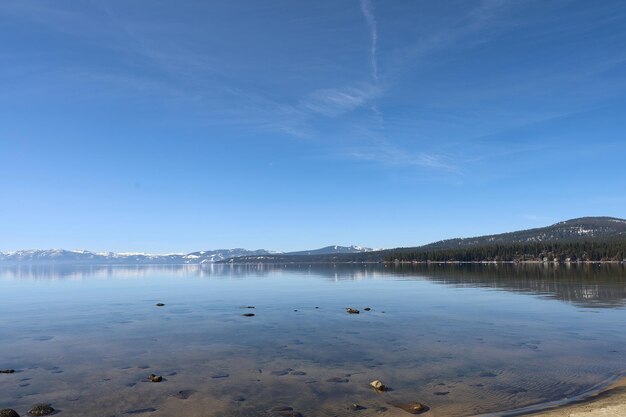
(464, 340)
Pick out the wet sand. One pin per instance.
(610, 402)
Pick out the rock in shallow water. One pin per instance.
(7, 371)
(338, 380)
(298, 373)
(248, 315)
(184, 394)
(160, 305)
(7, 412)
(141, 410)
(378, 385)
(351, 310)
(41, 410)
(412, 407)
(155, 378)
(281, 372)
(283, 411)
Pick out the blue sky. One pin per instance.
(172, 126)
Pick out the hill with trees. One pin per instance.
(586, 239)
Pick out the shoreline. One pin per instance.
(303, 262)
(609, 401)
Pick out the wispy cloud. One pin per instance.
(478, 26)
(368, 12)
(154, 65)
(337, 101)
(386, 153)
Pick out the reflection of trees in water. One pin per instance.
(586, 285)
(589, 285)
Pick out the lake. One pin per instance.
(464, 340)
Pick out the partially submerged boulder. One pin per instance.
(41, 410)
(155, 378)
(378, 385)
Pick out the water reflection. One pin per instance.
(464, 339)
(585, 285)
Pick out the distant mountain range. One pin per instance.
(571, 239)
(586, 238)
(200, 257)
(328, 250)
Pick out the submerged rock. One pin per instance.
(283, 411)
(184, 394)
(412, 407)
(338, 380)
(220, 375)
(7, 412)
(298, 373)
(41, 410)
(378, 385)
(155, 378)
(351, 310)
(7, 371)
(141, 410)
(281, 372)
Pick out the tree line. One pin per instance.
(586, 251)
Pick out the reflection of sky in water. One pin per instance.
(463, 341)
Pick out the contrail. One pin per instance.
(368, 13)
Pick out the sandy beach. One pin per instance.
(610, 402)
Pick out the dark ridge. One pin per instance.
(586, 239)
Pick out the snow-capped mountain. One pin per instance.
(332, 249)
(82, 256)
(193, 258)
(211, 256)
